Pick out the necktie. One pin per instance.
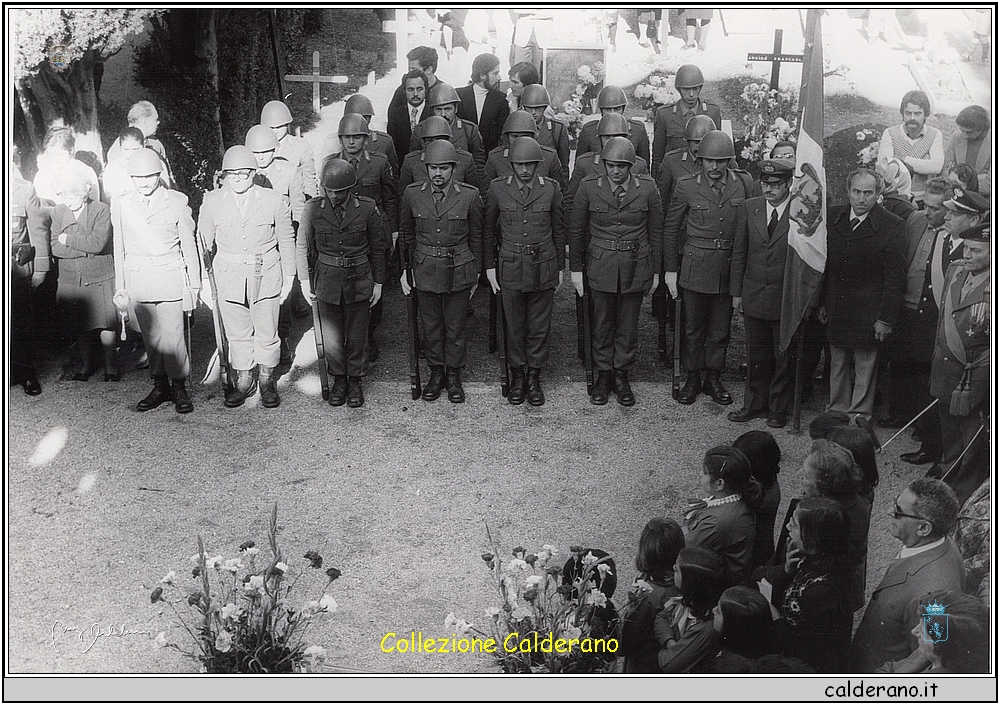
(967, 287)
(620, 195)
(855, 222)
(773, 223)
(717, 189)
(413, 117)
(525, 191)
(338, 214)
(354, 163)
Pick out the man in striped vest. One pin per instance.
(914, 142)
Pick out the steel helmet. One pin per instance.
(435, 126)
(535, 96)
(440, 152)
(611, 97)
(260, 138)
(698, 126)
(442, 94)
(524, 149)
(520, 121)
(613, 124)
(716, 144)
(618, 149)
(359, 104)
(275, 114)
(353, 124)
(146, 162)
(688, 76)
(338, 175)
(238, 157)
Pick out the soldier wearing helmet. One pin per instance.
(443, 101)
(340, 256)
(378, 141)
(247, 230)
(374, 181)
(707, 215)
(296, 150)
(440, 233)
(612, 99)
(587, 163)
(524, 222)
(681, 162)
(158, 272)
(670, 120)
(435, 128)
(551, 132)
(616, 239)
(520, 124)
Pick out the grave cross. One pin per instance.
(316, 79)
(776, 58)
(402, 28)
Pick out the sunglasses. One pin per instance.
(898, 513)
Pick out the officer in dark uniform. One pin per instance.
(761, 249)
(377, 142)
(340, 257)
(551, 132)
(520, 124)
(29, 240)
(616, 229)
(443, 101)
(707, 213)
(612, 99)
(524, 215)
(414, 168)
(611, 125)
(670, 120)
(440, 229)
(374, 181)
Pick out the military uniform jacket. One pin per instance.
(156, 257)
(256, 245)
(465, 136)
(676, 163)
(622, 246)
(700, 230)
(284, 178)
(375, 182)
(29, 236)
(865, 275)
(341, 258)
(553, 133)
(297, 151)
(443, 241)
(761, 261)
(527, 230)
(589, 164)
(971, 317)
(378, 143)
(668, 127)
(498, 164)
(86, 256)
(590, 141)
(414, 171)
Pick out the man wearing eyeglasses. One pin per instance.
(922, 517)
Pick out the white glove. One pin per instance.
(491, 275)
(577, 279)
(670, 279)
(376, 295)
(404, 284)
(286, 289)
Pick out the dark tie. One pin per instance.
(773, 223)
(620, 195)
(354, 163)
(525, 191)
(717, 188)
(338, 214)
(855, 222)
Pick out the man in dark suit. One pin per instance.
(862, 291)
(425, 60)
(922, 517)
(760, 251)
(482, 103)
(403, 118)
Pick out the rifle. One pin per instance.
(493, 324)
(221, 341)
(583, 322)
(411, 326)
(659, 303)
(501, 336)
(324, 376)
(676, 383)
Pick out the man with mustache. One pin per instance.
(915, 143)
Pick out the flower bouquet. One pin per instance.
(589, 79)
(768, 116)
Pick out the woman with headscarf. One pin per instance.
(896, 197)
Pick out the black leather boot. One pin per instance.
(432, 390)
(516, 394)
(453, 380)
(338, 395)
(355, 394)
(691, 389)
(269, 398)
(715, 389)
(246, 385)
(182, 401)
(535, 395)
(160, 394)
(602, 388)
(623, 390)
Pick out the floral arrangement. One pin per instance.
(768, 116)
(658, 88)
(573, 110)
(552, 619)
(239, 612)
(868, 152)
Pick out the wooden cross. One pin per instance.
(776, 58)
(316, 79)
(402, 28)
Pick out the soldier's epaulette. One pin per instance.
(376, 155)
(316, 199)
(463, 151)
(547, 180)
(546, 148)
(688, 177)
(461, 184)
(420, 185)
(507, 179)
(643, 177)
(591, 177)
(676, 151)
(638, 122)
(362, 199)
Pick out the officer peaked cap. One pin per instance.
(773, 171)
(968, 202)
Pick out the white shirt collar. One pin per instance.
(780, 207)
(861, 218)
(905, 552)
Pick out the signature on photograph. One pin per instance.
(88, 636)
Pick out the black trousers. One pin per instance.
(707, 324)
(959, 434)
(770, 372)
(22, 329)
(529, 318)
(345, 337)
(443, 319)
(910, 350)
(615, 329)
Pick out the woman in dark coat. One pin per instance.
(765, 456)
(81, 242)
